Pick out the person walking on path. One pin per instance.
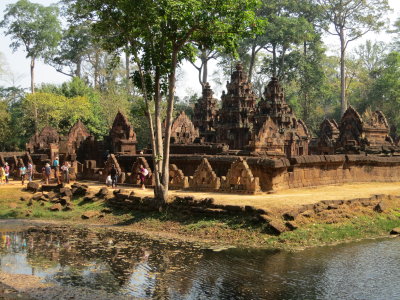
(2, 175)
(47, 172)
(65, 171)
(113, 174)
(56, 167)
(29, 171)
(6, 171)
(143, 172)
(22, 173)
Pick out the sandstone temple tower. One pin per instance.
(235, 119)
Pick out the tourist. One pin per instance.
(108, 180)
(29, 171)
(56, 167)
(22, 173)
(6, 171)
(65, 171)
(143, 172)
(47, 172)
(113, 174)
(2, 175)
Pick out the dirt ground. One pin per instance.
(282, 199)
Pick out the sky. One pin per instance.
(187, 80)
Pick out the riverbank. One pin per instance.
(30, 287)
(331, 225)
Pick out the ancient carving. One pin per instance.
(350, 129)
(369, 134)
(177, 180)
(328, 134)
(240, 179)
(77, 134)
(277, 131)
(204, 178)
(235, 118)
(183, 130)
(122, 135)
(268, 139)
(42, 141)
(112, 160)
(136, 171)
(376, 129)
(205, 114)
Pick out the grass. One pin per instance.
(361, 227)
(12, 207)
(227, 230)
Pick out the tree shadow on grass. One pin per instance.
(187, 219)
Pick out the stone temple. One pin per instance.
(240, 144)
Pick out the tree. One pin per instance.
(396, 32)
(160, 35)
(34, 27)
(385, 91)
(75, 44)
(351, 19)
(205, 55)
(92, 107)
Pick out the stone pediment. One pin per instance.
(48, 135)
(122, 128)
(183, 130)
(240, 179)
(78, 132)
(204, 178)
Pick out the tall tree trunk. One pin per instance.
(33, 91)
(167, 136)
(343, 99)
(306, 110)
(252, 60)
(127, 70)
(158, 132)
(78, 71)
(32, 74)
(204, 60)
(158, 189)
(273, 61)
(96, 69)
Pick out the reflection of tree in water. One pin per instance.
(127, 263)
(110, 259)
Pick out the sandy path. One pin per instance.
(288, 198)
(279, 200)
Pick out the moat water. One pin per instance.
(129, 264)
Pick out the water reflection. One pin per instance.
(125, 263)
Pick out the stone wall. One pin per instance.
(278, 174)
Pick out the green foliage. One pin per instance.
(33, 26)
(56, 111)
(4, 126)
(385, 91)
(75, 44)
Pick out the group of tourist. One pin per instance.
(24, 172)
(4, 173)
(65, 170)
(112, 177)
(27, 172)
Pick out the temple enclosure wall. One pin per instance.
(278, 174)
(265, 174)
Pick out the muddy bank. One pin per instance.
(29, 287)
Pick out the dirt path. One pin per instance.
(287, 198)
(279, 200)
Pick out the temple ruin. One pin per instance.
(248, 145)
